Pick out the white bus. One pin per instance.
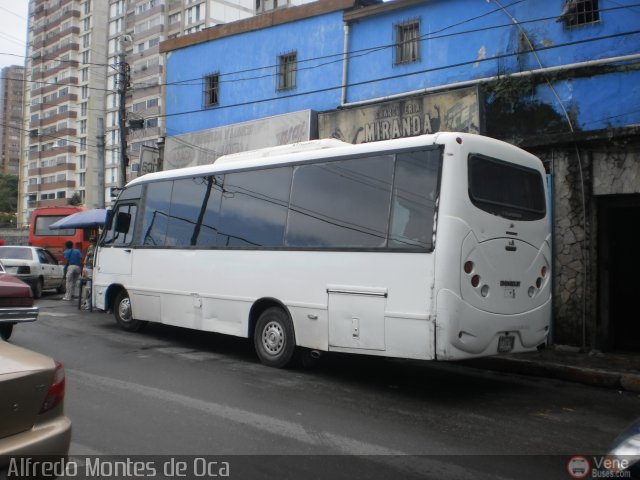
(434, 247)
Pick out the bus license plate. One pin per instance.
(509, 293)
(505, 343)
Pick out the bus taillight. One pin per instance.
(468, 267)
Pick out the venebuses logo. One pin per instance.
(578, 467)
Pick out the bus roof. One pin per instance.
(303, 151)
(287, 154)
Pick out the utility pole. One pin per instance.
(101, 159)
(123, 84)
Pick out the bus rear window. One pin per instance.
(505, 189)
(42, 227)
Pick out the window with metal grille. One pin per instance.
(211, 90)
(580, 12)
(407, 42)
(287, 66)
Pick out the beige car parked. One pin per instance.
(32, 420)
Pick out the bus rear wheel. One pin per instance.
(123, 313)
(274, 338)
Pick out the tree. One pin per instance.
(8, 199)
(8, 193)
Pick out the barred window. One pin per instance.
(579, 12)
(211, 90)
(287, 66)
(407, 42)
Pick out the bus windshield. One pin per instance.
(505, 189)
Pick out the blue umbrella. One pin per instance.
(85, 219)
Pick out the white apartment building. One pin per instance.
(65, 84)
(74, 74)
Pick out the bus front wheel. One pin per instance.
(274, 338)
(123, 314)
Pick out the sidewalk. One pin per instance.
(620, 371)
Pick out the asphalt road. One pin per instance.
(168, 392)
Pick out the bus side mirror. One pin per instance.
(123, 221)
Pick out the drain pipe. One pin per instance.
(345, 64)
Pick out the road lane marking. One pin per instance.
(287, 429)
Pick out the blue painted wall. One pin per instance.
(252, 94)
(463, 40)
(469, 39)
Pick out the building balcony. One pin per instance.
(53, 39)
(45, 137)
(174, 4)
(43, 122)
(144, 72)
(43, 106)
(45, 74)
(52, 88)
(58, 202)
(57, 20)
(149, 13)
(150, 32)
(52, 152)
(61, 167)
(58, 52)
(43, 187)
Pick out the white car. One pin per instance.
(35, 266)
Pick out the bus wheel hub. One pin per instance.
(273, 338)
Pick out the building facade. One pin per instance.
(94, 70)
(65, 89)
(11, 110)
(136, 28)
(559, 79)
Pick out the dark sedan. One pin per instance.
(16, 303)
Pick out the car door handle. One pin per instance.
(128, 250)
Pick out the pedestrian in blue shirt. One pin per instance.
(74, 265)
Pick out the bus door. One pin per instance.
(356, 317)
(115, 252)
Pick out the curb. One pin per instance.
(629, 382)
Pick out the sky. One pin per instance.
(13, 31)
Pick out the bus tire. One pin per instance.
(124, 316)
(274, 338)
(6, 330)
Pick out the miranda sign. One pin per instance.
(453, 111)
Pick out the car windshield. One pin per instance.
(15, 253)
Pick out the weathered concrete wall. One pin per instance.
(14, 236)
(608, 168)
(616, 169)
(572, 261)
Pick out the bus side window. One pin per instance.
(414, 195)
(121, 229)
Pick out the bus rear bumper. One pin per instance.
(463, 331)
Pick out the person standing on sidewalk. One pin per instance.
(74, 263)
(87, 274)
